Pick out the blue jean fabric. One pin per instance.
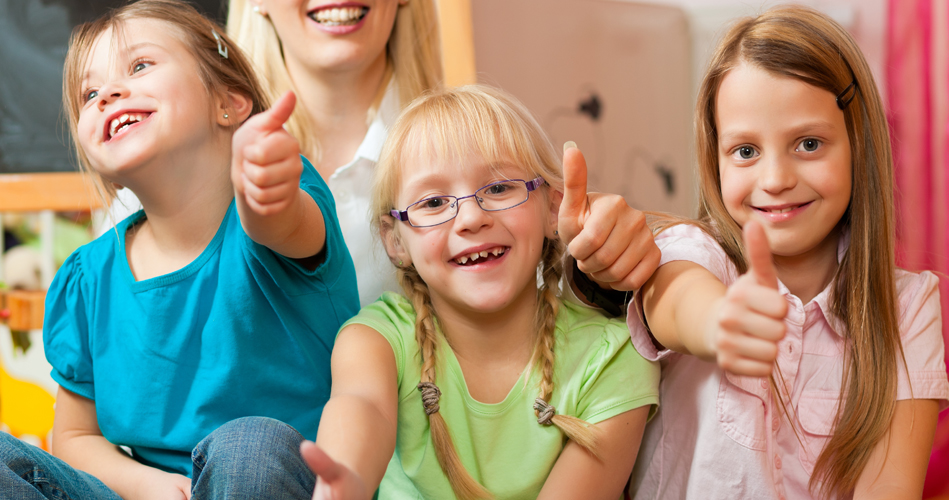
(247, 458)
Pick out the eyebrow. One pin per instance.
(127, 50)
(798, 130)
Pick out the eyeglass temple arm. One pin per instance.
(534, 184)
(400, 215)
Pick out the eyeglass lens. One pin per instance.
(496, 196)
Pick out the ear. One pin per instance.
(553, 215)
(394, 248)
(232, 108)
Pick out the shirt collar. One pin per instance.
(838, 325)
(371, 146)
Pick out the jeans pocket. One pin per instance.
(741, 412)
(817, 412)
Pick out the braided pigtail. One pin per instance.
(548, 305)
(464, 486)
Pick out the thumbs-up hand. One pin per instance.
(334, 481)
(265, 160)
(609, 239)
(750, 319)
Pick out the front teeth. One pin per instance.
(782, 211)
(120, 123)
(479, 255)
(339, 16)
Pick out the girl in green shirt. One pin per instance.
(482, 382)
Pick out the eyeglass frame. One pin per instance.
(531, 185)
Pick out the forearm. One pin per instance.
(297, 231)
(354, 432)
(107, 462)
(680, 304)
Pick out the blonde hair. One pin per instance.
(803, 44)
(450, 124)
(413, 59)
(218, 74)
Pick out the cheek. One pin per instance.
(736, 186)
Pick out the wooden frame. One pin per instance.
(56, 191)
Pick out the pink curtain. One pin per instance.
(917, 77)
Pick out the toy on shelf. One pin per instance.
(26, 388)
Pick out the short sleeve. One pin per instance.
(335, 251)
(616, 378)
(394, 318)
(66, 329)
(681, 242)
(921, 335)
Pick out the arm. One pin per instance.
(265, 172)
(358, 427)
(689, 310)
(578, 474)
(79, 442)
(897, 465)
(610, 240)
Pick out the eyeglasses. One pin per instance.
(494, 197)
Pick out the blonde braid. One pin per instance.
(426, 334)
(548, 305)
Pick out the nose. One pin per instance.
(111, 92)
(777, 174)
(470, 216)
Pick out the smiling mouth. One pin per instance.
(782, 210)
(121, 123)
(480, 257)
(339, 16)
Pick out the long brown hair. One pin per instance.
(413, 57)
(803, 44)
(196, 32)
(449, 124)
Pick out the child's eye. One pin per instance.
(90, 95)
(434, 203)
(810, 145)
(745, 152)
(140, 65)
(497, 189)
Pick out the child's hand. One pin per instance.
(334, 480)
(161, 485)
(265, 160)
(751, 315)
(609, 239)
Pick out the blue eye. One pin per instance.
(90, 95)
(139, 66)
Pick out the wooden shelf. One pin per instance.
(59, 191)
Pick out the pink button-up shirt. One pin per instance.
(721, 436)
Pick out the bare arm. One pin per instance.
(78, 441)
(358, 426)
(578, 474)
(897, 466)
(265, 172)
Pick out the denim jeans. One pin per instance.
(246, 458)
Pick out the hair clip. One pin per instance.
(221, 48)
(842, 104)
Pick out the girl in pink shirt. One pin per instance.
(816, 366)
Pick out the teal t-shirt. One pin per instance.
(597, 375)
(240, 331)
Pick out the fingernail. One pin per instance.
(569, 144)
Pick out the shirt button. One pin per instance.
(775, 422)
(764, 384)
(777, 461)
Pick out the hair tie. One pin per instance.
(430, 395)
(547, 411)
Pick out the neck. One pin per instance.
(185, 196)
(337, 103)
(807, 274)
(501, 337)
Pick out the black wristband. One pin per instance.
(613, 302)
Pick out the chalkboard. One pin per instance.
(34, 35)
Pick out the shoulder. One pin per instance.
(592, 340)
(687, 242)
(921, 335)
(393, 316)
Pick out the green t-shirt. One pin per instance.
(597, 375)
